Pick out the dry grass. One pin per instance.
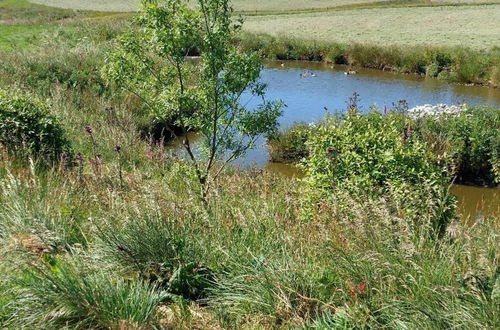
(468, 26)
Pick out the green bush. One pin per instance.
(373, 153)
(468, 142)
(26, 126)
(289, 146)
(371, 150)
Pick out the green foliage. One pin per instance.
(289, 146)
(371, 150)
(27, 127)
(467, 142)
(205, 96)
(374, 152)
(60, 294)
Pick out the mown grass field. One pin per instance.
(468, 26)
(408, 23)
(240, 5)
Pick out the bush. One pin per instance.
(469, 142)
(371, 150)
(289, 146)
(374, 152)
(27, 127)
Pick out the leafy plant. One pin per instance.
(467, 142)
(373, 152)
(289, 146)
(27, 127)
(204, 96)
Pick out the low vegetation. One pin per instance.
(27, 127)
(121, 239)
(456, 64)
(466, 144)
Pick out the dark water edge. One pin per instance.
(473, 202)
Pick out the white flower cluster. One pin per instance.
(436, 110)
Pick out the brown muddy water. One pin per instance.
(327, 89)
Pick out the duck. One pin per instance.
(307, 74)
(350, 72)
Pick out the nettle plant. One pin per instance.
(202, 95)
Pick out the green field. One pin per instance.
(240, 5)
(469, 26)
(243, 5)
(419, 23)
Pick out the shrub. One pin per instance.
(289, 146)
(26, 126)
(469, 142)
(59, 295)
(373, 152)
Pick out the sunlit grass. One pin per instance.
(469, 26)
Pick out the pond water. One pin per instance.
(327, 89)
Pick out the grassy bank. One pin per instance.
(250, 262)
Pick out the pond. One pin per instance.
(326, 89)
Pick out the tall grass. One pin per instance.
(361, 262)
(59, 295)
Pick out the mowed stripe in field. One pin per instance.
(472, 26)
(239, 5)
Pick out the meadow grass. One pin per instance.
(468, 26)
(256, 6)
(357, 263)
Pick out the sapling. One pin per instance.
(203, 96)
